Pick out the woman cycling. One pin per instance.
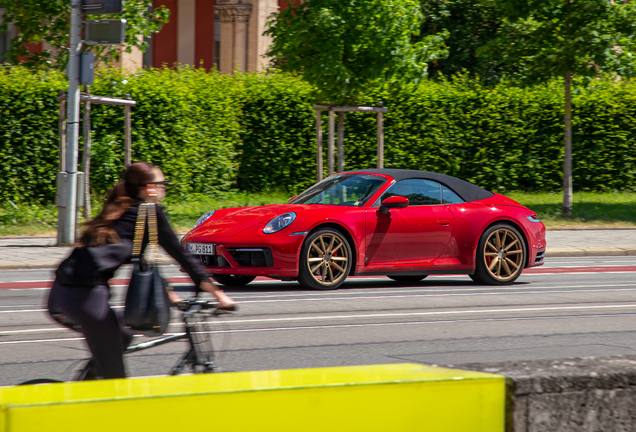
(80, 292)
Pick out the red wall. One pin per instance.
(164, 47)
(284, 4)
(204, 33)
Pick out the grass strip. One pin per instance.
(591, 210)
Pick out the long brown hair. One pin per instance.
(120, 197)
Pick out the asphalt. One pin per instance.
(42, 252)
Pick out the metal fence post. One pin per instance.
(127, 132)
(319, 167)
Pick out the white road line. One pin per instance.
(463, 292)
(383, 315)
(332, 326)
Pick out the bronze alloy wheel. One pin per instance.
(328, 259)
(325, 260)
(503, 254)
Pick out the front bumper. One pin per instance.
(243, 255)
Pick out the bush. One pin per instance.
(28, 135)
(212, 133)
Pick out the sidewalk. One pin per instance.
(41, 252)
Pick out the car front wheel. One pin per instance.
(501, 256)
(325, 260)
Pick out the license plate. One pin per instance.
(201, 248)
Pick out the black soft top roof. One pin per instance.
(467, 191)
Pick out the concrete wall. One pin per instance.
(570, 395)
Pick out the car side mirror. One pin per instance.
(393, 202)
(289, 200)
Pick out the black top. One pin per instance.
(467, 191)
(92, 266)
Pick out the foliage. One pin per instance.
(470, 24)
(278, 146)
(213, 133)
(344, 46)
(28, 135)
(185, 121)
(547, 38)
(49, 21)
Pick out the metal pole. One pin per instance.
(319, 145)
(67, 236)
(380, 138)
(341, 162)
(86, 156)
(127, 138)
(332, 127)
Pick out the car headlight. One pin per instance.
(203, 218)
(279, 222)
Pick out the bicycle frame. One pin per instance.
(192, 357)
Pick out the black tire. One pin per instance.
(408, 279)
(233, 280)
(40, 381)
(507, 259)
(331, 266)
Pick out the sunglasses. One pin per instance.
(163, 182)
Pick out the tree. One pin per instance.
(565, 38)
(342, 46)
(49, 21)
(470, 25)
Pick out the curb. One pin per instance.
(550, 253)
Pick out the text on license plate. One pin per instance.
(201, 248)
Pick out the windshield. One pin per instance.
(346, 190)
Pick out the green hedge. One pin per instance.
(211, 132)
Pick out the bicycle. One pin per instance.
(199, 357)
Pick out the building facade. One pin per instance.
(226, 34)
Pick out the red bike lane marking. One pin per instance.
(181, 280)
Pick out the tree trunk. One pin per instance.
(567, 156)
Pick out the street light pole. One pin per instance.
(67, 233)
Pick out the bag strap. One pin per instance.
(149, 211)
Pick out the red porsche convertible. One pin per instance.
(403, 224)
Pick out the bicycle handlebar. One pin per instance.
(188, 304)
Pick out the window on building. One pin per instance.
(217, 41)
(4, 45)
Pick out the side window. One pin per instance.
(450, 197)
(418, 191)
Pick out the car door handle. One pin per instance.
(444, 221)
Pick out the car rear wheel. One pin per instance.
(325, 260)
(501, 256)
(408, 279)
(233, 280)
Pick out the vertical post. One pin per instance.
(567, 143)
(67, 235)
(127, 137)
(61, 132)
(318, 145)
(341, 162)
(332, 127)
(86, 155)
(380, 138)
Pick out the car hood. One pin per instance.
(232, 221)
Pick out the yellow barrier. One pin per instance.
(397, 397)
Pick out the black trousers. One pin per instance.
(106, 336)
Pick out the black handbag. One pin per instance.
(147, 308)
